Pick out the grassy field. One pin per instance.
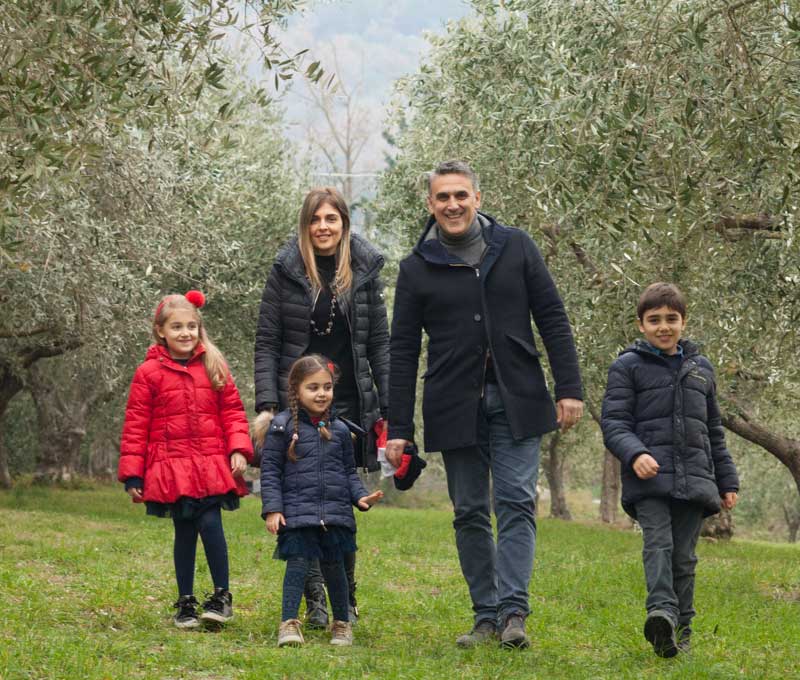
(86, 585)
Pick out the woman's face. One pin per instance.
(326, 230)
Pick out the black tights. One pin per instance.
(295, 578)
(209, 527)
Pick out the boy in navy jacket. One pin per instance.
(661, 419)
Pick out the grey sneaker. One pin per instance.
(514, 635)
(342, 633)
(218, 608)
(186, 616)
(352, 614)
(659, 631)
(483, 631)
(290, 633)
(685, 640)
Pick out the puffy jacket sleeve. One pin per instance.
(405, 345)
(273, 461)
(550, 317)
(136, 429)
(234, 421)
(724, 467)
(269, 339)
(378, 344)
(617, 419)
(357, 489)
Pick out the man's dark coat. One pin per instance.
(465, 311)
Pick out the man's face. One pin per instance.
(453, 202)
(662, 328)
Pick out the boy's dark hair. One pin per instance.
(661, 294)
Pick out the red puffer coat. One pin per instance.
(179, 432)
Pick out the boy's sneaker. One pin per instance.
(685, 640)
(483, 631)
(218, 608)
(342, 633)
(186, 616)
(660, 632)
(289, 633)
(352, 614)
(513, 634)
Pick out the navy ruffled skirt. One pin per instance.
(330, 544)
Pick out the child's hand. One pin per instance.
(275, 520)
(645, 466)
(729, 500)
(136, 495)
(366, 502)
(238, 464)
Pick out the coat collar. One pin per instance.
(644, 348)
(161, 353)
(365, 260)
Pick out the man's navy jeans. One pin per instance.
(497, 574)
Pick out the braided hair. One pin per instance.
(300, 370)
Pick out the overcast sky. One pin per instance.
(375, 42)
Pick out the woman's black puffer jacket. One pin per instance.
(283, 332)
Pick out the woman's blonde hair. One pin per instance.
(300, 370)
(214, 362)
(313, 201)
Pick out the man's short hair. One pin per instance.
(661, 294)
(453, 167)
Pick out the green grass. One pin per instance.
(86, 585)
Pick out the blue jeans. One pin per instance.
(497, 574)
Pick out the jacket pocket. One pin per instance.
(527, 346)
(435, 366)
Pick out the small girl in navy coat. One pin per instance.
(308, 487)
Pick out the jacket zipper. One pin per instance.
(321, 445)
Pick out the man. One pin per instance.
(473, 284)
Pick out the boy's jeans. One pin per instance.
(670, 529)
(497, 575)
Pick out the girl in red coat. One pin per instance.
(185, 445)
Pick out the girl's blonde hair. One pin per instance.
(313, 201)
(300, 370)
(214, 362)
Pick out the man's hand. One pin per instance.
(394, 451)
(645, 466)
(136, 495)
(366, 502)
(568, 412)
(729, 499)
(275, 520)
(238, 464)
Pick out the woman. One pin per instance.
(324, 296)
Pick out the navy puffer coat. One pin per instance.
(321, 487)
(675, 418)
(283, 332)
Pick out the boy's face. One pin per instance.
(662, 328)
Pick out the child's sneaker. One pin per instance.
(342, 633)
(660, 632)
(218, 608)
(186, 616)
(289, 633)
(685, 640)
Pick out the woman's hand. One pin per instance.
(275, 521)
(136, 495)
(238, 464)
(366, 502)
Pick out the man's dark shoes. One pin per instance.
(514, 635)
(218, 608)
(483, 631)
(660, 632)
(186, 616)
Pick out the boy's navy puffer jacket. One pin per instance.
(675, 418)
(322, 486)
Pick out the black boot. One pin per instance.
(316, 600)
(350, 570)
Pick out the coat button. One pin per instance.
(477, 317)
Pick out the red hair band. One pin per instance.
(195, 297)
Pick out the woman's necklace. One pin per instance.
(329, 325)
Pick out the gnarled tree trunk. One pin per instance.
(10, 385)
(554, 470)
(609, 495)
